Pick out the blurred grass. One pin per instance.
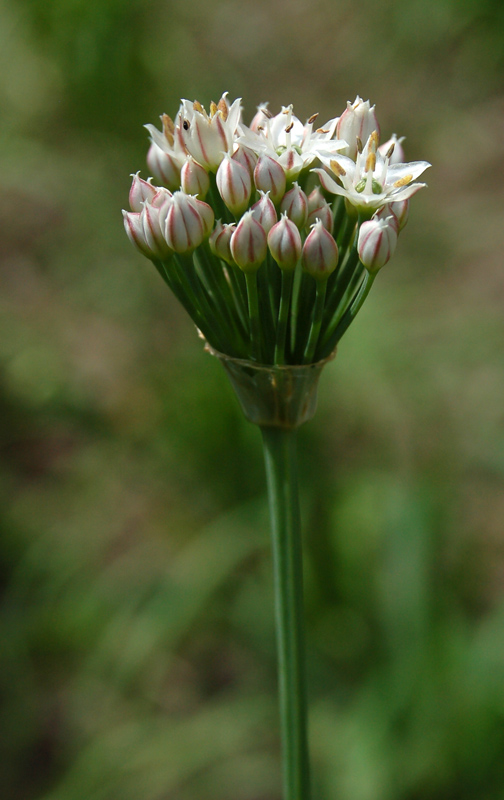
(138, 655)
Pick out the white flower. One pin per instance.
(285, 139)
(358, 121)
(208, 136)
(371, 181)
(166, 155)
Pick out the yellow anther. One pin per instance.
(322, 130)
(198, 107)
(371, 162)
(360, 148)
(373, 141)
(222, 106)
(403, 181)
(168, 128)
(337, 169)
(213, 109)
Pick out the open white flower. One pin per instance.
(285, 138)
(207, 137)
(371, 181)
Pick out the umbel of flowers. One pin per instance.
(271, 235)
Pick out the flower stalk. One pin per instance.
(273, 267)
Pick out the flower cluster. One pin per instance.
(271, 235)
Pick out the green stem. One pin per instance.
(318, 312)
(281, 472)
(357, 304)
(283, 315)
(253, 306)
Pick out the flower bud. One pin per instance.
(140, 192)
(358, 121)
(400, 210)
(285, 243)
(194, 178)
(295, 204)
(269, 176)
(206, 213)
(246, 157)
(323, 212)
(248, 243)
(220, 241)
(134, 229)
(185, 228)
(396, 152)
(234, 185)
(153, 219)
(377, 242)
(264, 211)
(164, 167)
(320, 253)
(261, 114)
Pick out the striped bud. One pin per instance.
(248, 243)
(295, 205)
(246, 157)
(164, 167)
(220, 241)
(284, 242)
(185, 228)
(140, 192)
(264, 212)
(194, 178)
(377, 242)
(320, 253)
(234, 185)
(269, 176)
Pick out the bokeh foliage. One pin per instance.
(138, 657)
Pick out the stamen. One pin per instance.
(390, 150)
(312, 119)
(168, 128)
(223, 108)
(337, 169)
(371, 162)
(267, 113)
(373, 140)
(360, 147)
(321, 130)
(198, 107)
(403, 181)
(289, 128)
(213, 109)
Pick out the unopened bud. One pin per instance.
(248, 243)
(140, 192)
(246, 157)
(264, 212)
(295, 204)
(185, 228)
(320, 253)
(220, 241)
(234, 185)
(194, 178)
(357, 123)
(153, 218)
(400, 210)
(285, 243)
(134, 229)
(164, 167)
(319, 208)
(269, 176)
(377, 242)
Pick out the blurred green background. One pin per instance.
(137, 656)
